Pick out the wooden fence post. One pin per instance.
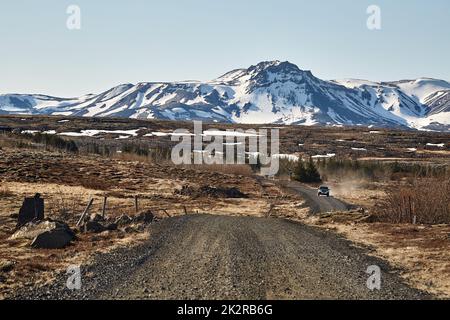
(269, 213)
(165, 211)
(185, 210)
(85, 211)
(104, 206)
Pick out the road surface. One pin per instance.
(223, 257)
(317, 204)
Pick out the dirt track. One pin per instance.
(222, 257)
(317, 204)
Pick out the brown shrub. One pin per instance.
(62, 207)
(427, 201)
(232, 169)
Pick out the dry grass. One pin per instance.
(5, 192)
(125, 156)
(94, 183)
(10, 141)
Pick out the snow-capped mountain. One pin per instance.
(424, 103)
(269, 92)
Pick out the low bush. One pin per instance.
(425, 201)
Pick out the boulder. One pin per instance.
(6, 266)
(32, 210)
(123, 220)
(94, 227)
(32, 229)
(97, 218)
(54, 239)
(145, 217)
(111, 227)
(129, 229)
(47, 234)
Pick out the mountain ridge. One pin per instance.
(269, 92)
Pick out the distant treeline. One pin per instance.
(378, 170)
(340, 169)
(53, 141)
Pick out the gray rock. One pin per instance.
(46, 234)
(32, 210)
(6, 266)
(111, 227)
(97, 218)
(123, 220)
(32, 229)
(94, 227)
(144, 217)
(129, 229)
(54, 239)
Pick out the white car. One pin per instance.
(323, 191)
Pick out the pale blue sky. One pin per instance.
(155, 40)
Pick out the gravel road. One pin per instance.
(317, 204)
(223, 257)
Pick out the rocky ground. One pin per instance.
(222, 257)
